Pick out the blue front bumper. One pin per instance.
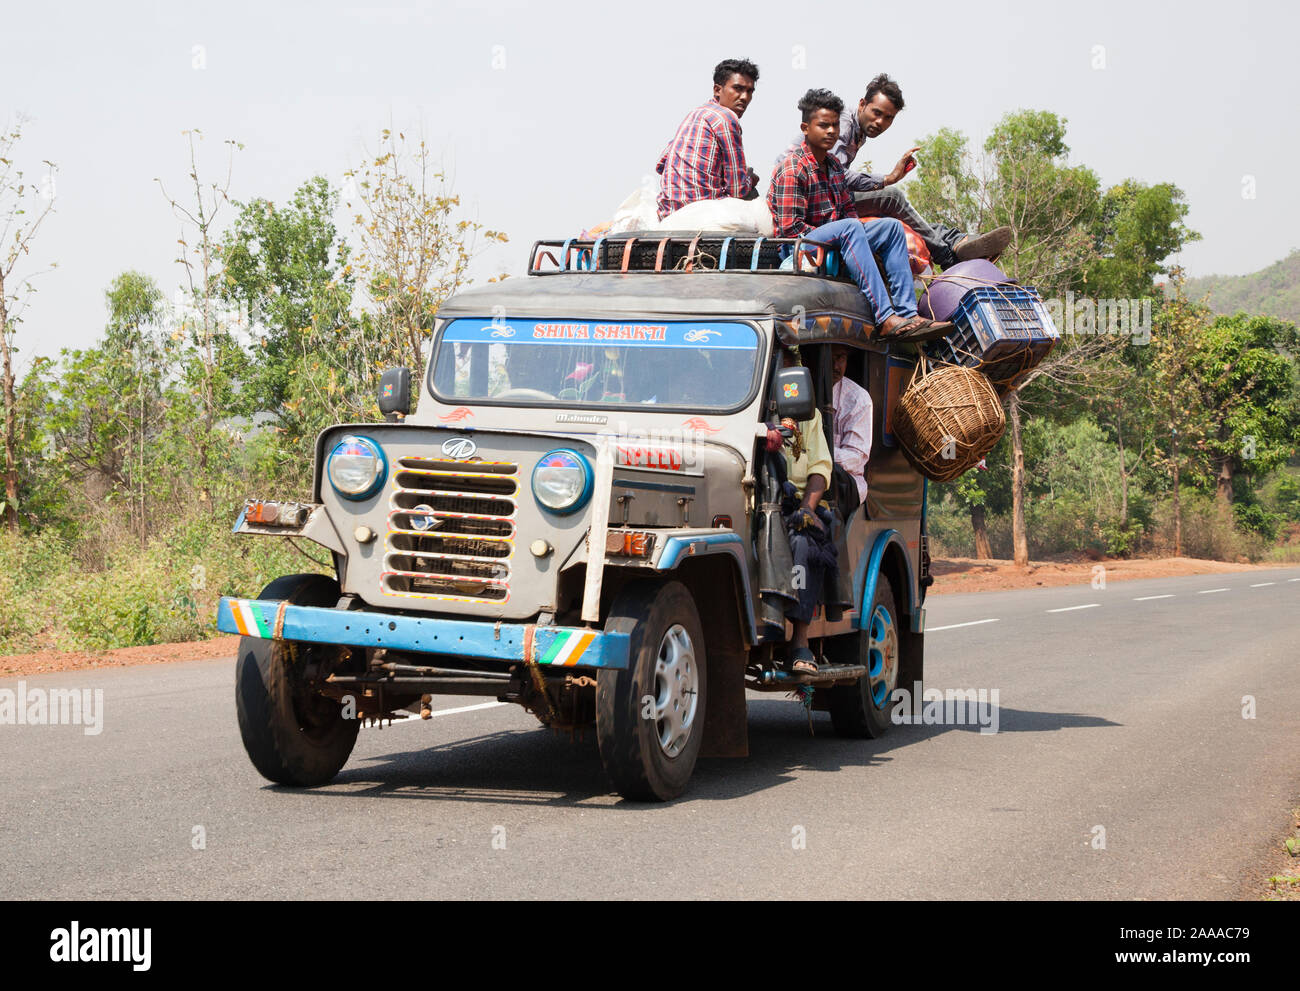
(558, 646)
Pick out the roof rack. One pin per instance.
(656, 252)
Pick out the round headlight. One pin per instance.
(356, 467)
(562, 481)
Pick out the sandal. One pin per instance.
(918, 329)
(936, 329)
(802, 661)
(910, 324)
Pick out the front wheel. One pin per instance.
(292, 734)
(650, 716)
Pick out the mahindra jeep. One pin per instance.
(577, 518)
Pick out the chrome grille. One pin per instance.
(451, 529)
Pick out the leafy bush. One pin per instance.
(1257, 519)
(1122, 539)
(1074, 500)
(1286, 497)
(165, 593)
(949, 528)
(1207, 532)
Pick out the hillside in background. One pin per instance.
(1273, 291)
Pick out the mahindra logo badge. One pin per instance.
(459, 448)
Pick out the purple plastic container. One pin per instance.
(942, 297)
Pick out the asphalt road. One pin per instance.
(1125, 714)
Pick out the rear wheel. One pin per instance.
(292, 734)
(650, 716)
(862, 709)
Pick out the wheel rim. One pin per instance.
(882, 656)
(677, 684)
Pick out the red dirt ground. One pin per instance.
(961, 574)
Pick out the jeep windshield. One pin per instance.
(692, 365)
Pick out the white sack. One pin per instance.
(730, 215)
(639, 212)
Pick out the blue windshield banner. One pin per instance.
(638, 334)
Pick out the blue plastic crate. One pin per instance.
(1002, 331)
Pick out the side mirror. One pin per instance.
(395, 394)
(794, 393)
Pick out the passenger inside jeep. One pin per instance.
(798, 470)
(853, 422)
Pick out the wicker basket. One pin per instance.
(947, 420)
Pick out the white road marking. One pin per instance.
(1148, 598)
(466, 708)
(953, 626)
(1262, 584)
(1090, 605)
(447, 712)
(1293, 579)
(1207, 591)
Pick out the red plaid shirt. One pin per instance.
(704, 161)
(803, 196)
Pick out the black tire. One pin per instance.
(651, 759)
(863, 709)
(292, 735)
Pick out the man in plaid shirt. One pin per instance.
(706, 159)
(879, 196)
(808, 197)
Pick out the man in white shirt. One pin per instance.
(852, 426)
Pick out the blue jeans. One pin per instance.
(856, 242)
(892, 202)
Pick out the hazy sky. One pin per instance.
(548, 114)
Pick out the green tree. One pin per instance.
(1136, 227)
(1176, 401)
(1066, 237)
(945, 185)
(290, 270)
(1024, 181)
(1048, 203)
(106, 409)
(1244, 370)
(135, 317)
(1121, 401)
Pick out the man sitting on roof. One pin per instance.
(706, 158)
(808, 198)
(876, 195)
